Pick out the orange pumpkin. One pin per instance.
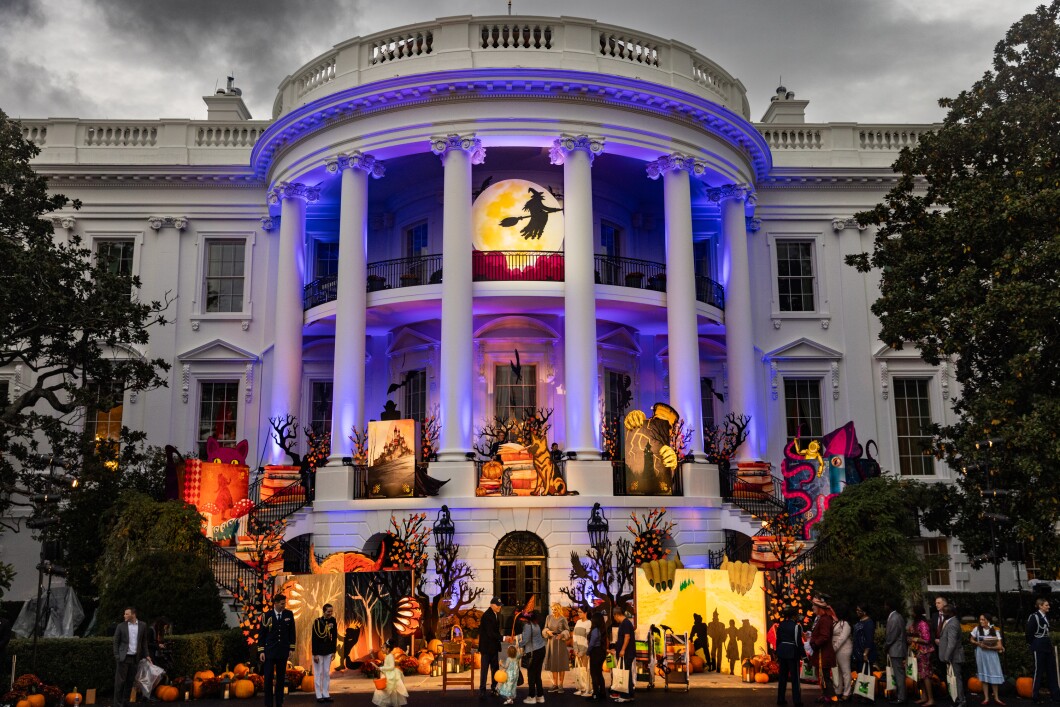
(1025, 687)
(36, 700)
(424, 668)
(74, 698)
(761, 677)
(380, 683)
(307, 684)
(435, 646)
(910, 684)
(168, 693)
(196, 688)
(22, 703)
(241, 670)
(697, 663)
(501, 676)
(478, 661)
(242, 689)
(204, 675)
(975, 686)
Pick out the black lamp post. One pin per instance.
(992, 494)
(444, 530)
(597, 527)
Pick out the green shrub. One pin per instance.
(167, 583)
(89, 662)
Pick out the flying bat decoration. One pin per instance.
(393, 387)
(517, 368)
(710, 386)
(625, 395)
(482, 187)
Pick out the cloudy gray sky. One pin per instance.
(855, 60)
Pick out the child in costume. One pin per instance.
(511, 668)
(394, 694)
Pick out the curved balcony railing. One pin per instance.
(511, 266)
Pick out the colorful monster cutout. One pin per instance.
(218, 488)
(815, 475)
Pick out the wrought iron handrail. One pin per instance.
(405, 272)
(296, 554)
(630, 272)
(282, 504)
(809, 559)
(516, 266)
(758, 499)
(710, 292)
(229, 571)
(320, 291)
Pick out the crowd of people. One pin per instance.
(925, 645)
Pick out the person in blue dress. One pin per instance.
(988, 649)
(511, 668)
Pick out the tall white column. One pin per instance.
(287, 348)
(458, 153)
(351, 298)
(739, 340)
(682, 326)
(580, 377)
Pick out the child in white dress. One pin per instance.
(394, 694)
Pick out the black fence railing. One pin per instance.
(296, 554)
(710, 292)
(320, 291)
(284, 502)
(516, 266)
(738, 546)
(630, 272)
(621, 484)
(760, 495)
(229, 571)
(820, 552)
(405, 272)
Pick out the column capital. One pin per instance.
(740, 192)
(156, 223)
(673, 162)
(565, 144)
(67, 222)
(293, 190)
(269, 223)
(841, 224)
(355, 160)
(441, 144)
(753, 224)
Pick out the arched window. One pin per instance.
(520, 571)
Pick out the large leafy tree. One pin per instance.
(78, 329)
(968, 251)
(866, 534)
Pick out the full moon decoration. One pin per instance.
(523, 204)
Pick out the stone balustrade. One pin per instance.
(839, 144)
(466, 42)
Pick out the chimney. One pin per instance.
(227, 104)
(783, 108)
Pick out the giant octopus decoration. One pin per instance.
(816, 474)
(341, 562)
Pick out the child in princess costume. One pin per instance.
(395, 693)
(511, 668)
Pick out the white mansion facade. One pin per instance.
(321, 255)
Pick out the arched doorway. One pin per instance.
(520, 571)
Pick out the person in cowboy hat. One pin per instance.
(821, 641)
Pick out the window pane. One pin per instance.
(320, 407)
(616, 402)
(937, 549)
(104, 420)
(512, 397)
(224, 275)
(117, 255)
(802, 406)
(795, 280)
(610, 239)
(218, 413)
(912, 422)
(326, 261)
(416, 240)
(416, 395)
(706, 394)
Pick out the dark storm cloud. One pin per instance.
(260, 42)
(854, 60)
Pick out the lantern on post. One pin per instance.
(597, 527)
(444, 530)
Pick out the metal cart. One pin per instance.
(674, 658)
(645, 661)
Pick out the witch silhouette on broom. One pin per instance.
(536, 212)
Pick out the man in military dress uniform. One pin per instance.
(275, 646)
(1041, 646)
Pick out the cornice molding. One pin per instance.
(470, 85)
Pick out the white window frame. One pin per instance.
(241, 406)
(198, 304)
(827, 423)
(950, 569)
(820, 291)
(94, 238)
(930, 380)
(906, 364)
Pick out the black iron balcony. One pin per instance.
(512, 266)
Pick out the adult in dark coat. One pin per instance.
(489, 645)
(863, 654)
(951, 652)
(1044, 661)
(790, 651)
(897, 649)
(823, 652)
(276, 642)
(130, 647)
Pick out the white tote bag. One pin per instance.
(620, 677)
(865, 685)
(581, 679)
(911, 669)
(951, 684)
(888, 685)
